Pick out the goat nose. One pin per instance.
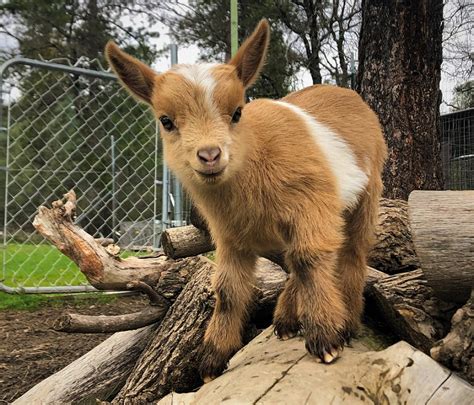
(209, 155)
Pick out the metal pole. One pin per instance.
(177, 192)
(7, 163)
(114, 202)
(155, 187)
(234, 27)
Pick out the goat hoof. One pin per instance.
(285, 331)
(213, 362)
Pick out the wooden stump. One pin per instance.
(443, 228)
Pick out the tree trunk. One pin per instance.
(443, 230)
(400, 57)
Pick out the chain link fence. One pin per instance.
(457, 148)
(73, 127)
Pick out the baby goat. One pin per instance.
(301, 175)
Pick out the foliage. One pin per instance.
(207, 25)
(464, 96)
(62, 124)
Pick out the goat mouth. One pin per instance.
(209, 175)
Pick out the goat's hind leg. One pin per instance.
(311, 257)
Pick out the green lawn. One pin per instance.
(38, 265)
(29, 265)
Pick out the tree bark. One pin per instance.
(171, 360)
(97, 374)
(400, 57)
(410, 309)
(443, 229)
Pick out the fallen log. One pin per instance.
(171, 360)
(456, 350)
(410, 308)
(443, 229)
(392, 253)
(108, 324)
(270, 371)
(98, 374)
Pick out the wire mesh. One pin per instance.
(457, 149)
(61, 130)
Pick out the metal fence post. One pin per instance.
(177, 191)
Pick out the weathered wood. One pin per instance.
(269, 371)
(171, 360)
(185, 241)
(410, 309)
(97, 374)
(456, 350)
(102, 268)
(393, 251)
(443, 230)
(78, 323)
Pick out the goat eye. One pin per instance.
(167, 123)
(237, 114)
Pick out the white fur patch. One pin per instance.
(201, 76)
(350, 177)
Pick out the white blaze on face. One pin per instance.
(350, 177)
(200, 75)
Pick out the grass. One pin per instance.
(42, 265)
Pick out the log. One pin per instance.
(102, 266)
(270, 371)
(392, 253)
(185, 241)
(456, 350)
(97, 374)
(77, 323)
(410, 308)
(443, 228)
(171, 360)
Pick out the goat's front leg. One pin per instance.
(233, 284)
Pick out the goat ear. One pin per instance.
(135, 76)
(250, 57)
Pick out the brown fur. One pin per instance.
(276, 193)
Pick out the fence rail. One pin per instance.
(64, 127)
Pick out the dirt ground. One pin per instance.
(30, 350)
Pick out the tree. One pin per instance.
(400, 55)
(207, 24)
(71, 118)
(326, 29)
(463, 96)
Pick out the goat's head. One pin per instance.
(199, 107)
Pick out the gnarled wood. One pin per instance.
(443, 230)
(410, 309)
(456, 350)
(104, 270)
